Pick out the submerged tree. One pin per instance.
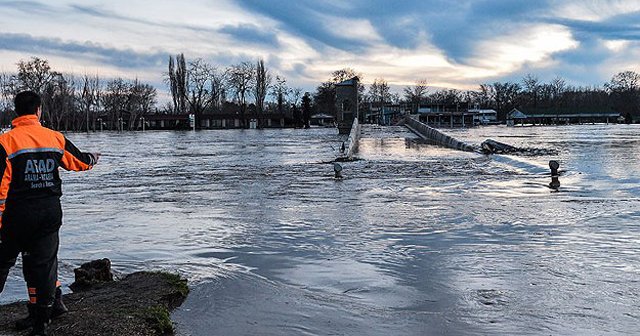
(280, 91)
(199, 97)
(142, 99)
(240, 78)
(624, 91)
(306, 110)
(89, 99)
(58, 95)
(261, 87)
(177, 80)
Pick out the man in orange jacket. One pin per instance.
(30, 211)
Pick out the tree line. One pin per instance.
(249, 88)
(199, 88)
(620, 94)
(76, 103)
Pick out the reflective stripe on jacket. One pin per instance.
(30, 156)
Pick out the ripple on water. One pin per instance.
(416, 239)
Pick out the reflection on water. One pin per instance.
(414, 240)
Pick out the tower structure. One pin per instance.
(346, 104)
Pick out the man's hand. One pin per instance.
(96, 156)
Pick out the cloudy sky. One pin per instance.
(457, 44)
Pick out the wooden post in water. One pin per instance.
(337, 169)
(555, 183)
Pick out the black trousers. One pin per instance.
(31, 228)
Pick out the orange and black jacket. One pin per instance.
(30, 156)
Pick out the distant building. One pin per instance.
(484, 116)
(447, 115)
(561, 116)
(322, 119)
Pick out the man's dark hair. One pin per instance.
(27, 102)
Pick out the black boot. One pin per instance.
(57, 310)
(27, 322)
(58, 306)
(41, 321)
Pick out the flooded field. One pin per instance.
(415, 240)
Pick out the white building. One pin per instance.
(484, 116)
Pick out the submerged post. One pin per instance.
(555, 182)
(337, 169)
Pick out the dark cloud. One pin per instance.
(621, 27)
(251, 33)
(308, 22)
(104, 14)
(124, 58)
(453, 26)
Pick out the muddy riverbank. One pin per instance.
(139, 304)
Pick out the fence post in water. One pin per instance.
(337, 169)
(555, 183)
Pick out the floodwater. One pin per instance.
(414, 240)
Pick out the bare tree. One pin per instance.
(176, 78)
(346, 74)
(58, 95)
(240, 79)
(5, 99)
(379, 96)
(218, 91)
(141, 99)
(34, 74)
(624, 93)
(416, 93)
(89, 99)
(379, 92)
(624, 81)
(531, 86)
(506, 96)
(115, 101)
(558, 87)
(198, 84)
(447, 97)
(261, 86)
(296, 93)
(280, 91)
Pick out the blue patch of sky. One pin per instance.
(306, 21)
(27, 6)
(251, 33)
(612, 29)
